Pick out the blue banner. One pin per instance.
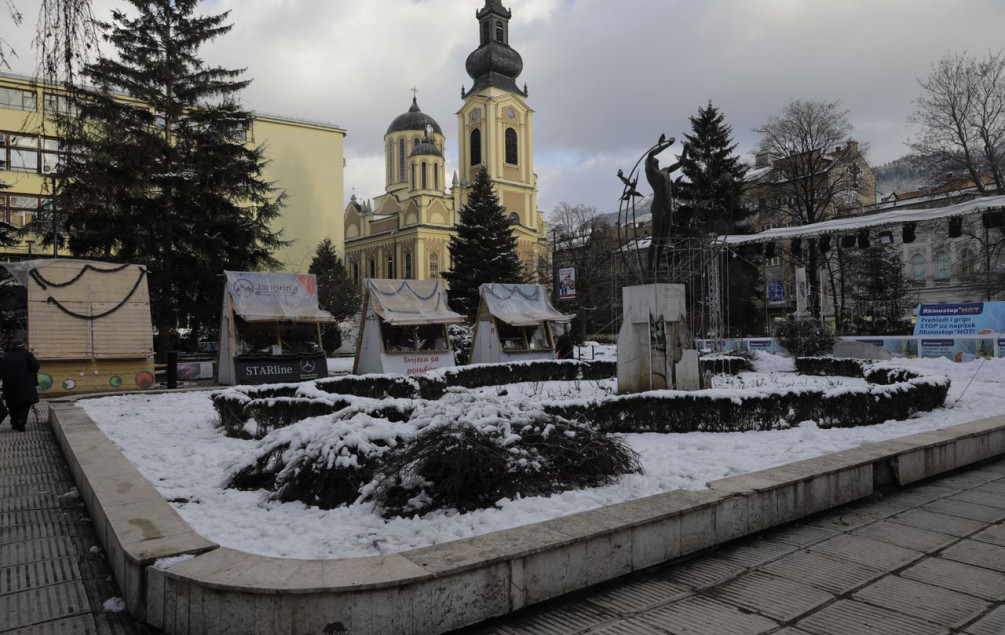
(973, 318)
(776, 291)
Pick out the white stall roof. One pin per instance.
(21, 270)
(520, 304)
(883, 219)
(274, 297)
(406, 302)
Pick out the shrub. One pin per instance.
(726, 364)
(461, 339)
(805, 337)
(840, 366)
(371, 386)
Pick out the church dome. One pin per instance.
(494, 58)
(413, 120)
(426, 149)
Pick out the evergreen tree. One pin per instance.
(336, 292)
(714, 175)
(165, 179)
(881, 295)
(484, 249)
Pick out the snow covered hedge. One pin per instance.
(726, 364)
(893, 394)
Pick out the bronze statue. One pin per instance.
(664, 186)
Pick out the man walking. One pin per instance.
(19, 372)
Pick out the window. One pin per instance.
(408, 265)
(428, 337)
(22, 210)
(942, 267)
(59, 105)
(476, 147)
(425, 183)
(390, 267)
(401, 159)
(523, 338)
(413, 176)
(500, 32)
(514, 219)
(373, 268)
(485, 32)
(17, 99)
(966, 264)
(415, 143)
(511, 146)
(436, 177)
(355, 273)
(434, 266)
(24, 155)
(390, 162)
(918, 268)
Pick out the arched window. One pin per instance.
(390, 162)
(511, 147)
(436, 177)
(408, 265)
(918, 268)
(500, 33)
(390, 267)
(415, 143)
(476, 147)
(373, 268)
(413, 176)
(355, 273)
(485, 32)
(425, 183)
(966, 265)
(942, 272)
(401, 159)
(434, 266)
(514, 219)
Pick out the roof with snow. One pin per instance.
(520, 304)
(410, 302)
(275, 297)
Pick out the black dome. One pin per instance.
(494, 58)
(426, 148)
(414, 119)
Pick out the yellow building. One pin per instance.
(305, 160)
(405, 232)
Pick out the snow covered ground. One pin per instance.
(173, 442)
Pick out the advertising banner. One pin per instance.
(278, 295)
(957, 349)
(278, 370)
(416, 363)
(567, 283)
(776, 291)
(972, 318)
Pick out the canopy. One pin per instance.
(520, 304)
(22, 269)
(275, 297)
(409, 302)
(882, 219)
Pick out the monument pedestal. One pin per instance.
(655, 347)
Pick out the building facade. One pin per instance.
(305, 160)
(405, 232)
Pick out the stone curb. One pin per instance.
(442, 587)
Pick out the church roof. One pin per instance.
(414, 119)
(426, 148)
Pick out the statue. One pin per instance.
(664, 188)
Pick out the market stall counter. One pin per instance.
(514, 323)
(270, 329)
(404, 328)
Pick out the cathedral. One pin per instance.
(405, 232)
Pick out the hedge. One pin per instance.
(725, 364)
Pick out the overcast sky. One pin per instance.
(606, 77)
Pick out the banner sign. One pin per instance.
(802, 292)
(282, 295)
(972, 318)
(1001, 348)
(567, 283)
(280, 369)
(957, 349)
(776, 291)
(416, 363)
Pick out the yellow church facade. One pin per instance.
(301, 156)
(405, 232)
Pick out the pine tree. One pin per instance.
(881, 295)
(484, 249)
(714, 174)
(165, 179)
(336, 292)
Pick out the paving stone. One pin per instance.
(988, 499)
(755, 553)
(38, 574)
(957, 576)
(627, 627)
(991, 624)
(995, 487)
(560, 620)
(966, 510)
(778, 598)
(823, 572)
(633, 596)
(41, 605)
(981, 554)
(905, 536)
(928, 602)
(801, 535)
(995, 534)
(851, 519)
(74, 625)
(704, 616)
(846, 617)
(941, 523)
(913, 498)
(872, 553)
(34, 550)
(968, 479)
(701, 573)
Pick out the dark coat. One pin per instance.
(19, 370)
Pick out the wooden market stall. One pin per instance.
(88, 324)
(404, 328)
(514, 323)
(270, 329)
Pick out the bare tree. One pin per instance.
(961, 114)
(585, 240)
(813, 178)
(6, 52)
